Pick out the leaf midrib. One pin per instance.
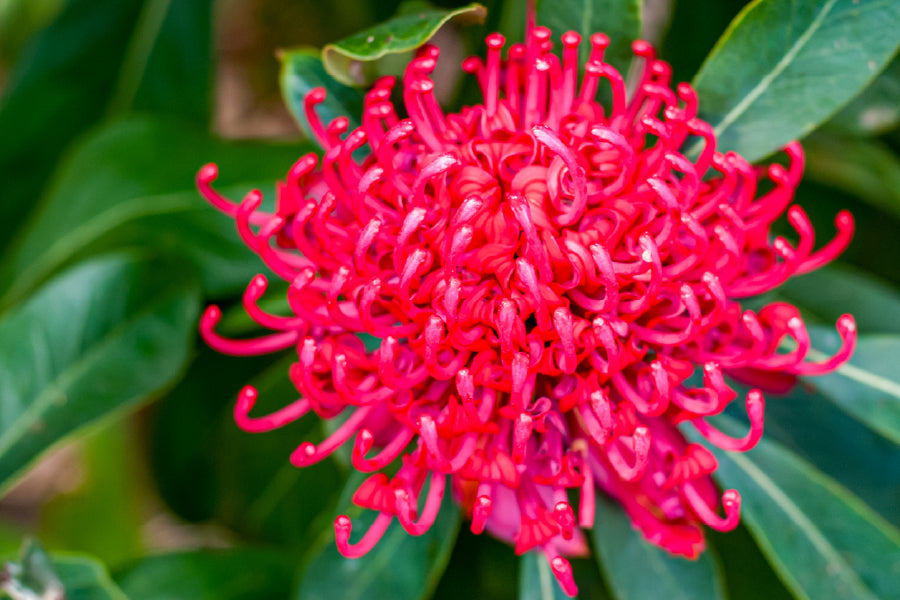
(818, 539)
(70, 373)
(779, 68)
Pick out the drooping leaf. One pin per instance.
(234, 574)
(619, 19)
(821, 539)
(36, 575)
(350, 60)
(876, 110)
(536, 580)
(782, 68)
(401, 566)
(868, 385)
(302, 71)
(866, 169)
(99, 338)
(635, 569)
(114, 191)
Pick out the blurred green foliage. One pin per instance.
(107, 111)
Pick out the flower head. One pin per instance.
(545, 274)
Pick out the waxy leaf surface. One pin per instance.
(821, 539)
(97, 339)
(536, 579)
(619, 19)
(635, 569)
(346, 60)
(782, 68)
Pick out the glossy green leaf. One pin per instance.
(748, 575)
(536, 580)
(52, 96)
(822, 540)
(349, 60)
(400, 567)
(619, 19)
(97, 339)
(817, 430)
(867, 169)
(168, 65)
(876, 110)
(635, 569)
(114, 191)
(302, 71)
(36, 575)
(868, 385)
(828, 293)
(234, 574)
(782, 68)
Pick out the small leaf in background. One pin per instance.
(867, 169)
(302, 71)
(349, 60)
(97, 339)
(619, 19)
(822, 540)
(38, 576)
(635, 569)
(536, 580)
(168, 68)
(782, 68)
(400, 566)
(113, 191)
(233, 574)
(876, 110)
(868, 386)
(51, 96)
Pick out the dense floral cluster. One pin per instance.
(545, 274)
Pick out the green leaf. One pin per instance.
(817, 430)
(619, 19)
(59, 88)
(114, 191)
(822, 540)
(876, 110)
(349, 59)
(635, 569)
(37, 575)
(400, 567)
(867, 169)
(234, 574)
(782, 68)
(302, 71)
(835, 290)
(186, 423)
(167, 67)
(868, 385)
(536, 580)
(97, 339)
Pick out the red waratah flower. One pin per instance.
(544, 273)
